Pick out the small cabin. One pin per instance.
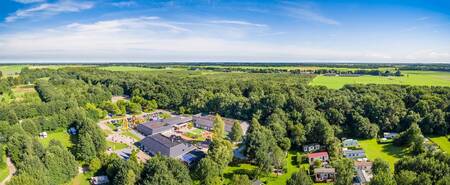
(311, 147)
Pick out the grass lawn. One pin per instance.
(387, 152)
(11, 70)
(4, 171)
(116, 146)
(271, 179)
(425, 78)
(112, 126)
(443, 143)
(61, 136)
(81, 179)
(130, 134)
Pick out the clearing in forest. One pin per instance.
(387, 152)
(61, 136)
(443, 142)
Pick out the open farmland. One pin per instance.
(11, 70)
(420, 78)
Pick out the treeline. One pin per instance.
(66, 102)
(337, 71)
(285, 112)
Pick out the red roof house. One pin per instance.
(323, 156)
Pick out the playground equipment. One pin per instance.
(131, 122)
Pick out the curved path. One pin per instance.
(11, 169)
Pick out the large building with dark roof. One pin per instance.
(168, 146)
(161, 125)
(207, 122)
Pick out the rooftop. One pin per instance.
(155, 124)
(324, 170)
(163, 140)
(317, 154)
(210, 118)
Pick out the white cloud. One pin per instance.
(29, 1)
(240, 23)
(423, 18)
(49, 9)
(307, 11)
(146, 24)
(155, 39)
(307, 14)
(123, 4)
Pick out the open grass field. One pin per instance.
(116, 146)
(134, 68)
(269, 180)
(129, 134)
(61, 136)
(420, 78)
(387, 152)
(21, 93)
(11, 70)
(443, 143)
(3, 170)
(81, 179)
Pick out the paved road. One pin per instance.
(12, 170)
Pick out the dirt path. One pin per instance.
(11, 169)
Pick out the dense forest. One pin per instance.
(285, 113)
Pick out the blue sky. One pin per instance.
(212, 30)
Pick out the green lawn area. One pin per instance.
(81, 179)
(443, 143)
(271, 179)
(116, 146)
(61, 136)
(112, 126)
(11, 70)
(3, 171)
(129, 134)
(425, 78)
(387, 152)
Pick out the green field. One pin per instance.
(61, 136)
(425, 78)
(11, 70)
(134, 68)
(116, 146)
(269, 180)
(3, 171)
(443, 143)
(387, 152)
(81, 179)
(129, 134)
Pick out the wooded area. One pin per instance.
(285, 114)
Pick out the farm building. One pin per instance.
(207, 122)
(350, 143)
(161, 125)
(324, 174)
(311, 147)
(354, 154)
(168, 146)
(323, 156)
